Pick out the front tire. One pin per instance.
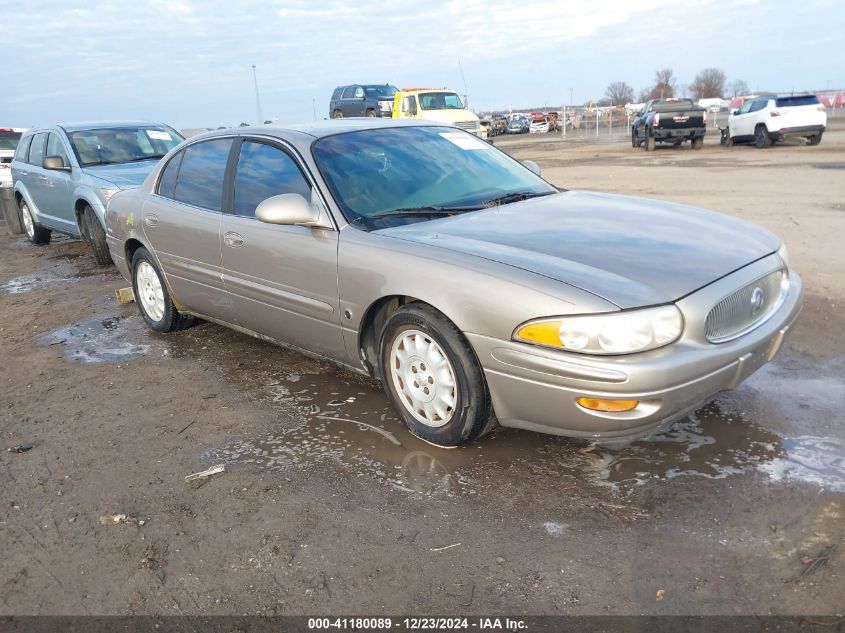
(96, 237)
(432, 377)
(761, 137)
(152, 296)
(34, 233)
(371, 112)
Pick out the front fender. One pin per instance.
(92, 198)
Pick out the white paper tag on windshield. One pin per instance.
(464, 140)
(159, 136)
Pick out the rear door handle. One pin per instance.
(233, 239)
(151, 220)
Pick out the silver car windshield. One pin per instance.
(108, 146)
(385, 177)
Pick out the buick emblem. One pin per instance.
(756, 300)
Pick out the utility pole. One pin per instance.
(257, 99)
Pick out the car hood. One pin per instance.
(124, 175)
(630, 251)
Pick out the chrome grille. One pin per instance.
(746, 308)
(466, 125)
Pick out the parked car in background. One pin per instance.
(9, 138)
(500, 124)
(669, 121)
(767, 119)
(64, 175)
(518, 125)
(437, 104)
(538, 127)
(565, 312)
(362, 100)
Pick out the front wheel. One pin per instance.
(34, 233)
(152, 296)
(815, 139)
(761, 137)
(432, 377)
(96, 237)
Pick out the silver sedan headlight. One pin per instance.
(784, 255)
(624, 332)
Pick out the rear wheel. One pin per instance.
(761, 137)
(650, 143)
(337, 114)
(698, 142)
(96, 237)
(815, 139)
(152, 296)
(34, 233)
(635, 141)
(432, 377)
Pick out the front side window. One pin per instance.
(381, 92)
(349, 92)
(265, 171)
(759, 104)
(36, 152)
(385, 177)
(201, 175)
(109, 146)
(55, 147)
(746, 107)
(440, 101)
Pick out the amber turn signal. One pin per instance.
(610, 406)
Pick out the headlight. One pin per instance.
(108, 192)
(784, 255)
(610, 333)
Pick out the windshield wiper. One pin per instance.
(419, 211)
(517, 196)
(150, 157)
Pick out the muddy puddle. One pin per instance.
(341, 421)
(55, 270)
(107, 338)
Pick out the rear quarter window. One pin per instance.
(792, 102)
(336, 94)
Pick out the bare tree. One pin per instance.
(619, 93)
(645, 95)
(664, 84)
(709, 84)
(738, 87)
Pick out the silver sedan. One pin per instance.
(475, 291)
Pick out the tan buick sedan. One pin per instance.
(475, 291)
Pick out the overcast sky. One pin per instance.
(188, 62)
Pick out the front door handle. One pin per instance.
(233, 239)
(151, 220)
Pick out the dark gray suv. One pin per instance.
(362, 100)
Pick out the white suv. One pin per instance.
(9, 137)
(767, 119)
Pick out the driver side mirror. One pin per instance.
(735, 111)
(287, 208)
(534, 167)
(55, 163)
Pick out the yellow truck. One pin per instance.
(436, 104)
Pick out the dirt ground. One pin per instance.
(328, 505)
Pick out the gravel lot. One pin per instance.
(328, 505)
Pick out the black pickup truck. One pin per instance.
(669, 121)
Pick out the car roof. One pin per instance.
(98, 125)
(320, 129)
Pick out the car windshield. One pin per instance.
(385, 177)
(383, 92)
(440, 101)
(108, 146)
(9, 140)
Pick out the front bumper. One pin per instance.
(536, 389)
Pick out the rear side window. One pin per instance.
(23, 149)
(265, 171)
(792, 102)
(200, 180)
(167, 181)
(348, 92)
(36, 151)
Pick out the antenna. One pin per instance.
(466, 90)
(257, 100)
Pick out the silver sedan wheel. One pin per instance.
(150, 291)
(28, 224)
(423, 378)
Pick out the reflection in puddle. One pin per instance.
(98, 339)
(344, 422)
(58, 271)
